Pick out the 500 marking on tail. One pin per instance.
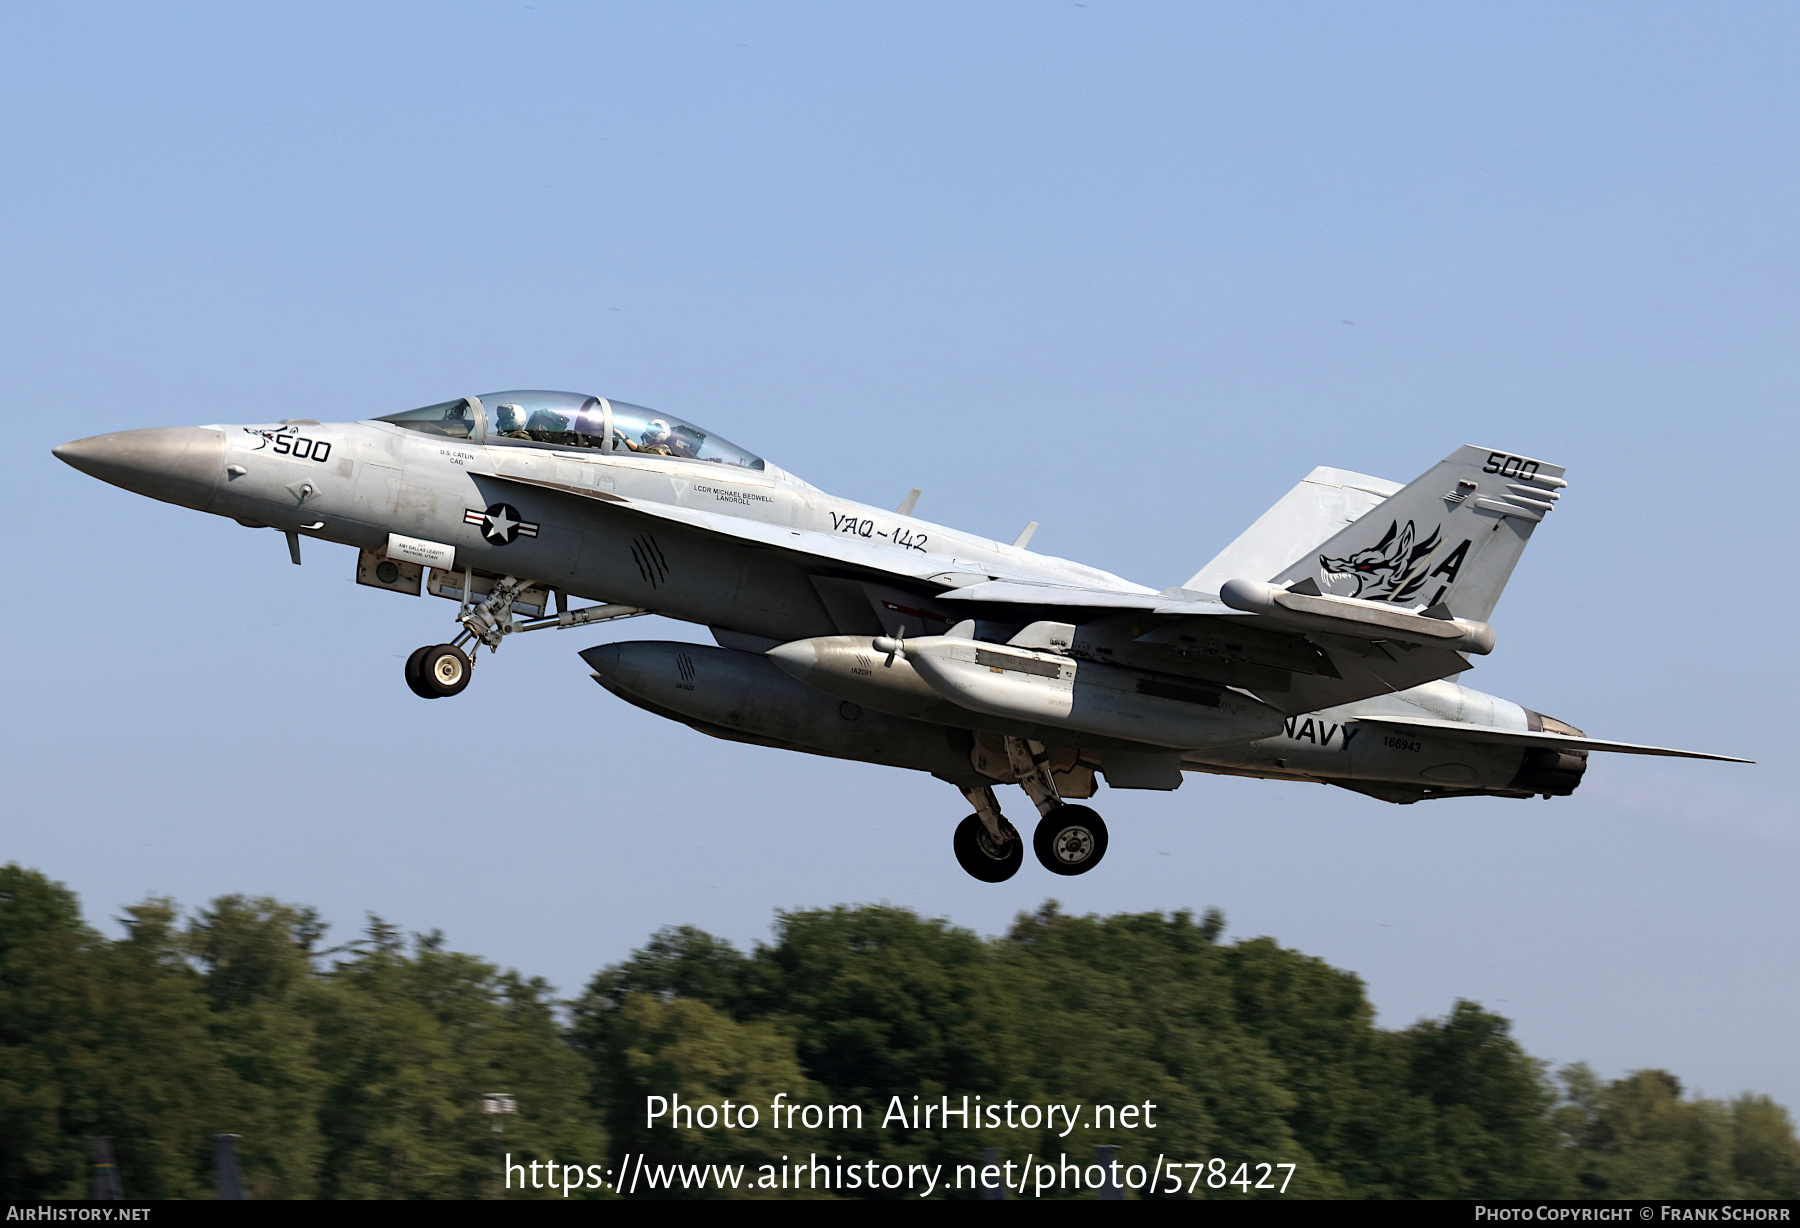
(1510, 466)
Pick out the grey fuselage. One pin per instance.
(590, 534)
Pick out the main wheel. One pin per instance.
(443, 671)
(976, 852)
(415, 665)
(1070, 840)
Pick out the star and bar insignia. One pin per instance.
(501, 524)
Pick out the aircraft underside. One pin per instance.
(747, 697)
(865, 698)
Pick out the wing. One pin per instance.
(803, 544)
(1330, 661)
(1297, 655)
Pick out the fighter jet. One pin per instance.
(1324, 644)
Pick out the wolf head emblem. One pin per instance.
(1392, 570)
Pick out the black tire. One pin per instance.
(443, 671)
(1070, 840)
(975, 851)
(414, 667)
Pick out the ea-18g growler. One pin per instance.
(1322, 645)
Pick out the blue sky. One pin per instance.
(1129, 270)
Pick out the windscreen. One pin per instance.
(452, 419)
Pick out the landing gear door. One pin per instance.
(531, 601)
(395, 576)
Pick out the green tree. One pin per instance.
(1352, 1110)
(1142, 1009)
(257, 971)
(1636, 1137)
(412, 1044)
(682, 1051)
(679, 961)
(102, 1038)
(51, 982)
(365, 1077)
(1765, 1157)
(883, 1003)
(1493, 1105)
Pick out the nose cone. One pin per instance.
(609, 663)
(797, 659)
(602, 658)
(177, 464)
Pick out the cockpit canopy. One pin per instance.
(574, 420)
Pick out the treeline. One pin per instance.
(359, 1071)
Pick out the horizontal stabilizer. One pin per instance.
(1520, 737)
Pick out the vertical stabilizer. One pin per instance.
(1450, 538)
(1325, 501)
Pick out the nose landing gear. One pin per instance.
(439, 671)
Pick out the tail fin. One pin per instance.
(1325, 501)
(1449, 538)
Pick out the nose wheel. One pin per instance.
(437, 671)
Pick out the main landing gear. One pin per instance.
(1069, 839)
(439, 671)
(986, 845)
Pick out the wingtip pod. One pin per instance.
(1250, 596)
(1348, 616)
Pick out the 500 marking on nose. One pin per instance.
(301, 448)
(291, 443)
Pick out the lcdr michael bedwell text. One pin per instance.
(970, 1113)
